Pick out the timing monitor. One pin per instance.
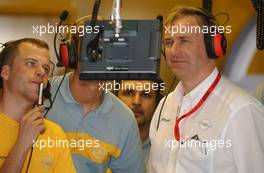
(132, 54)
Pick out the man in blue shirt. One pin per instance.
(142, 97)
(101, 130)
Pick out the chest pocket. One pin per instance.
(42, 160)
(195, 156)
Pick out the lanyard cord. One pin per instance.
(199, 104)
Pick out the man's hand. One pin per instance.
(31, 125)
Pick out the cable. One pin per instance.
(30, 156)
(52, 101)
(29, 161)
(63, 17)
(52, 69)
(95, 12)
(174, 79)
(260, 25)
(255, 4)
(207, 5)
(163, 51)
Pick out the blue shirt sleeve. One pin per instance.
(131, 158)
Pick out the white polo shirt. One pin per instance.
(229, 126)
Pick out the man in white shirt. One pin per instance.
(206, 124)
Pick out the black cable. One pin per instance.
(95, 12)
(163, 51)
(259, 8)
(174, 79)
(255, 4)
(52, 101)
(63, 17)
(52, 69)
(207, 5)
(260, 25)
(29, 161)
(30, 156)
(55, 48)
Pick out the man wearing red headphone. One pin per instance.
(25, 135)
(206, 124)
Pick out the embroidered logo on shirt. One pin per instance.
(205, 124)
(47, 162)
(165, 119)
(100, 154)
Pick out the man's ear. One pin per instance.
(5, 72)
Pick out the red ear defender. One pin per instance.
(64, 54)
(215, 45)
(219, 41)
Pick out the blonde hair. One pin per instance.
(202, 16)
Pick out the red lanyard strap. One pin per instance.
(199, 104)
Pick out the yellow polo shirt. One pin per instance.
(49, 155)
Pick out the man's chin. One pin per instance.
(140, 121)
(179, 73)
(33, 98)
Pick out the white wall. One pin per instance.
(16, 27)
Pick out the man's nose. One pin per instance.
(136, 100)
(40, 71)
(174, 50)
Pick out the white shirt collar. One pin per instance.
(196, 93)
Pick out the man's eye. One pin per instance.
(30, 63)
(47, 70)
(184, 40)
(146, 94)
(128, 93)
(168, 43)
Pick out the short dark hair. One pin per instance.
(159, 94)
(11, 49)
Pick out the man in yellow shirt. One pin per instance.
(25, 63)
